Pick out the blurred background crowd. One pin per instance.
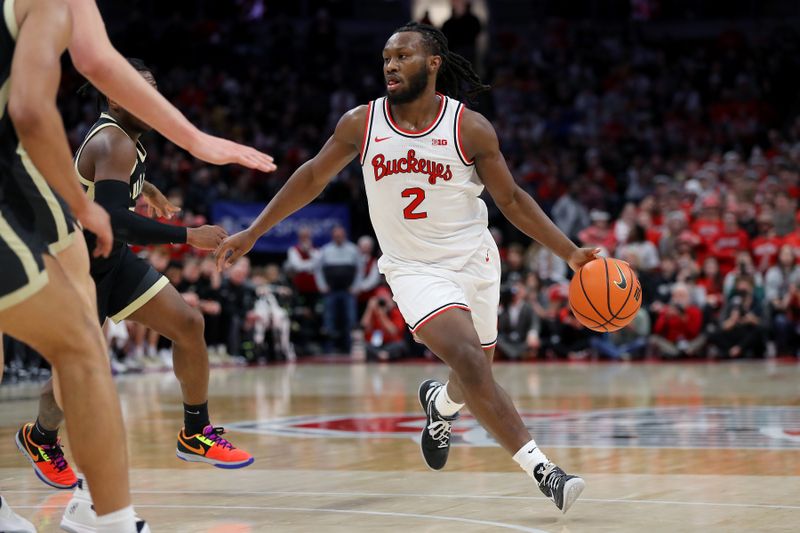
(667, 135)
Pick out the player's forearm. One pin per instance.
(41, 132)
(300, 189)
(528, 217)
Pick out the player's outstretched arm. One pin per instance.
(112, 155)
(44, 29)
(96, 58)
(480, 142)
(305, 184)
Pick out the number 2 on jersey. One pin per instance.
(419, 196)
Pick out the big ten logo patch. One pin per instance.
(439, 142)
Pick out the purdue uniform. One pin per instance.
(125, 282)
(33, 219)
(423, 195)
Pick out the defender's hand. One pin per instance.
(94, 218)
(221, 151)
(581, 256)
(233, 248)
(205, 237)
(157, 203)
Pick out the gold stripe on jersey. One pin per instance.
(4, 91)
(137, 304)
(59, 218)
(36, 278)
(10, 18)
(88, 183)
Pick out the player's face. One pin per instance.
(408, 68)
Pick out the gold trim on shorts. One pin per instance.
(146, 296)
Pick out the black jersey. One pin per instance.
(137, 172)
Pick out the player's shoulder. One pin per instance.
(474, 122)
(351, 125)
(477, 133)
(111, 142)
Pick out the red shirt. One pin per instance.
(726, 245)
(707, 229)
(765, 251)
(793, 240)
(395, 318)
(304, 282)
(675, 327)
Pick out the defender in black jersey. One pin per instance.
(39, 303)
(111, 167)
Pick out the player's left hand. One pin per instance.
(158, 204)
(221, 151)
(581, 256)
(232, 248)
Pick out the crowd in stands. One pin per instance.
(679, 156)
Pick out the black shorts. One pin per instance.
(125, 282)
(22, 271)
(44, 212)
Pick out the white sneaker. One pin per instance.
(11, 522)
(79, 515)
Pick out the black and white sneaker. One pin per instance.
(435, 440)
(557, 485)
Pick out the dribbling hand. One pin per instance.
(581, 256)
(96, 219)
(233, 248)
(221, 151)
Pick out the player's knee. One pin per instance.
(192, 323)
(469, 362)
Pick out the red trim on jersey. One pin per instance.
(459, 146)
(437, 313)
(366, 133)
(430, 126)
(489, 346)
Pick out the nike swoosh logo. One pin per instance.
(381, 139)
(193, 412)
(623, 282)
(199, 450)
(533, 450)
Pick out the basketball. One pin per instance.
(605, 294)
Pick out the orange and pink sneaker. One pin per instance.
(209, 447)
(48, 460)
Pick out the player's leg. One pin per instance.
(38, 441)
(169, 314)
(73, 344)
(452, 337)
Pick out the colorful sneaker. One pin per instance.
(209, 447)
(11, 522)
(79, 515)
(559, 486)
(48, 460)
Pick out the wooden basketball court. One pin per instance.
(662, 448)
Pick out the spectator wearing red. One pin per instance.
(708, 225)
(793, 239)
(678, 325)
(710, 280)
(599, 233)
(728, 243)
(767, 244)
(301, 262)
(384, 327)
(371, 277)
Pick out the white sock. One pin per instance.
(444, 404)
(529, 456)
(122, 521)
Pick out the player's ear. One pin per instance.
(434, 64)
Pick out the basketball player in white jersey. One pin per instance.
(426, 159)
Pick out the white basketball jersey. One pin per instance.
(422, 190)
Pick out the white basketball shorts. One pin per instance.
(423, 292)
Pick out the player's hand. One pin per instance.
(158, 204)
(233, 248)
(205, 237)
(581, 256)
(94, 218)
(221, 151)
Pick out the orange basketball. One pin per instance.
(605, 294)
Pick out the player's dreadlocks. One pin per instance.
(457, 77)
(101, 102)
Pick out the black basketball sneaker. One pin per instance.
(435, 440)
(557, 485)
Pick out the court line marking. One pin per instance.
(502, 525)
(423, 495)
